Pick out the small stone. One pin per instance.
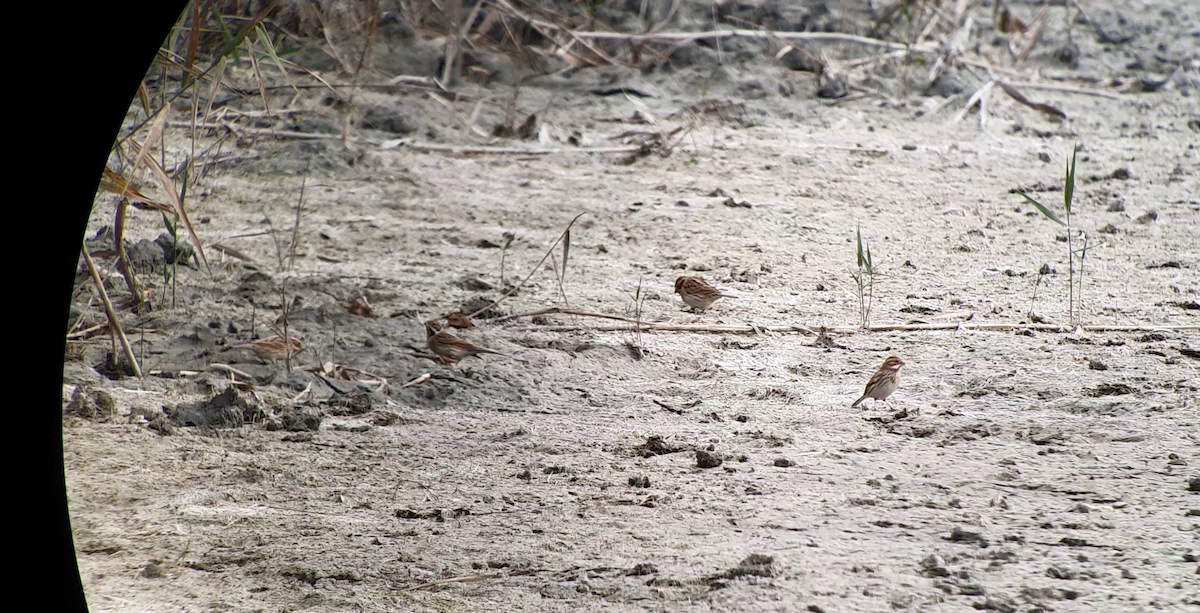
(1068, 54)
(707, 459)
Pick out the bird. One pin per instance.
(273, 348)
(883, 382)
(448, 347)
(696, 293)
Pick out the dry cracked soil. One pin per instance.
(696, 469)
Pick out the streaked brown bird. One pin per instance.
(696, 293)
(273, 348)
(448, 347)
(884, 382)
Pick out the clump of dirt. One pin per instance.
(655, 445)
(91, 404)
(229, 409)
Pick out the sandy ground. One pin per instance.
(1013, 471)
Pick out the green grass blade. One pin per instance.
(229, 49)
(1045, 211)
(860, 248)
(1069, 186)
(266, 43)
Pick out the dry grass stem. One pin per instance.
(419, 380)
(845, 330)
(1019, 97)
(553, 310)
(532, 272)
(113, 321)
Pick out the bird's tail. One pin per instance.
(864, 397)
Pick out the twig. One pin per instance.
(230, 251)
(436, 148)
(976, 97)
(419, 380)
(287, 338)
(1072, 90)
(1019, 97)
(450, 107)
(553, 310)
(87, 333)
(846, 330)
(229, 369)
(638, 301)
(759, 34)
(299, 209)
(466, 578)
(953, 47)
(114, 323)
(1036, 37)
(307, 390)
(275, 133)
(135, 289)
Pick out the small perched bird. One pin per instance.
(884, 382)
(273, 348)
(696, 293)
(448, 347)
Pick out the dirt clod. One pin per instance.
(91, 404)
(152, 571)
(753, 565)
(1109, 389)
(707, 459)
(642, 569)
(962, 535)
(655, 445)
(229, 409)
(479, 302)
